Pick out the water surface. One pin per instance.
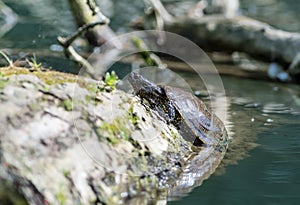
(266, 117)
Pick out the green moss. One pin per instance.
(174, 135)
(163, 135)
(3, 82)
(88, 98)
(119, 129)
(61, 196)
(92, 99)
(132, 116)
(67, 104)
(53, 77)
(92, 88)
(67, 173)
(116, 130)
(7, 71)
(49, 77)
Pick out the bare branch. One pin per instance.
(161, 11)
(66, 42)
(93, 6)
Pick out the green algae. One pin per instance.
(116, 130)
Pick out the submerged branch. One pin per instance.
(71, 53)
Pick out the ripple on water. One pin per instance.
(276, 108)
(240, 101)
(247, 103)
(252, 105)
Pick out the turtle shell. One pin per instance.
(197, 122)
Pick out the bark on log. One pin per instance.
(84, 15)
(244, 34)
(69, 141)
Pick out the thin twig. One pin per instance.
(96, 11)
(161, 11)
(66, 42)
(71, 52)
(161, 16)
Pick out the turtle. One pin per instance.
(195, 122)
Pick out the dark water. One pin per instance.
(266, 114)
(264, 166)
(281, 14)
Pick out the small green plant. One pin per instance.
(6, 58)
(110, 80)
(33, 63)
(150, 58)
(144, 53)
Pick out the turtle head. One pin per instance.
(154, 94)
(143, 86)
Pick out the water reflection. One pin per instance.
(268, 9)
(262, 165)
(276, 108)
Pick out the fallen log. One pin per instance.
(66, 139)
(240, 33)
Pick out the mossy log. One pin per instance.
(240, 33)
(70, 140)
